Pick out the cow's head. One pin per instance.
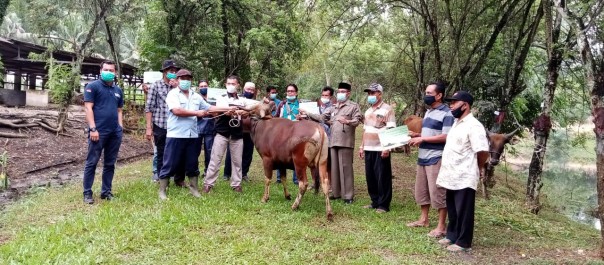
(497, 143)
(262, 110)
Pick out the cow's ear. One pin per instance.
(514, 140)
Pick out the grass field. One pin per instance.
(53, 226)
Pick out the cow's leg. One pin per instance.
(283, 173)
(325, 185)
(268, 175)
(302, 185)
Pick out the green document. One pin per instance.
(394, 137)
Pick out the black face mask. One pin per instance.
(429, 100)
(248, 95)
(457, 112)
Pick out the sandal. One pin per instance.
(437, 234)
(417, 224)
(457, 248)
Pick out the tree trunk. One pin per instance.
(114, 54)
(225, 40)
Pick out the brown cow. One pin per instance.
(296, 145)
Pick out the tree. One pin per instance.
(556, 48)
(590, 39)
(3, 6)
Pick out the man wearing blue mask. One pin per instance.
(103, 102)
(156, 110)
(378, 168)
(206, 129)
(343, 119)
(181, 151)
(271, 95)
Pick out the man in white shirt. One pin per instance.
(459, 172)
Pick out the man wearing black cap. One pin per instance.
(343, 118)
(156, 110)
(181, 150)
(459, 173)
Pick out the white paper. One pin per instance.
(151, 77)
(310, 107)
(394, 137)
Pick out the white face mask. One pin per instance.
(341, 97)
(231, 89)
(325, 100)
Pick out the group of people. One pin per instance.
(181, 123)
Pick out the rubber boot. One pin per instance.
(193, 187)
(163, 185)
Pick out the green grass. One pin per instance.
(53, 226)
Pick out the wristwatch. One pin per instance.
(91, 129)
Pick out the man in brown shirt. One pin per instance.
(343, 118)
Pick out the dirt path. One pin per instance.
(45, 159)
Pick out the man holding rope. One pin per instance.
(229, 133)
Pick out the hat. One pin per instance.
(168, 64)
(183, 72)
(344, 86)
(375, 87)
(248, 85)
(461, 96)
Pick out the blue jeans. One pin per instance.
(294, 178)
(110, 145)
(154, 159)
(207, 140)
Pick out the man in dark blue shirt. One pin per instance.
(103, 101)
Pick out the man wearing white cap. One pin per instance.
(249, 92)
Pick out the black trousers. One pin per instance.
(246, 161)
(378, 172)
(460, 207)
(181, 156)
(159, 138)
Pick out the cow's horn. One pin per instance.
(510, 135)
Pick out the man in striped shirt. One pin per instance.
(436, 124)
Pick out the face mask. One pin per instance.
(171, 76)
(341, 97)
(248, 95)
(184, 84)
(325, 100)
(203, 91)
(457, 112)
(107, 76)
(291, 98)
(231, 89)
(274, 96)
(429, 100)
(371, 99)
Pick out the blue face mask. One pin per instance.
(248, 95)
(291, 98)
(184, 84)
(341, 97)
(371, 99)
(171, 76)
(107, 76)
(203, 91)
(273, 96)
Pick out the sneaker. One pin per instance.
(88, 199)
(380, 210)
(238, 189)
(155, 177)
(107, 196)
(278, 180)
(348, 201)
(226, 178)
(246, 178)
(445, 242)
(457, 248)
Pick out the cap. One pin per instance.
(461, 96)
(248, 85)
(168, 64)
(344, 86)
(375, 87)
(183, 72)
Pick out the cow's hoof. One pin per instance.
(288, 197)
(330, 217)
(264, 200)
